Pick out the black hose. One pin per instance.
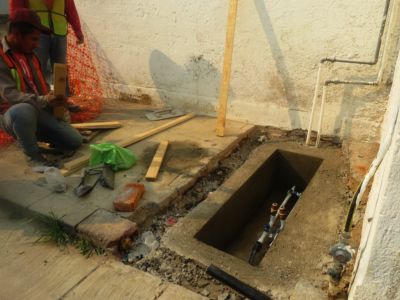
(352, 208)
(236, 284)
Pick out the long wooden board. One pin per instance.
(98, 125)
(60, 83)
(76, 164)
(226, 76)
(156, 163)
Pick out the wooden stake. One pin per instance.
(76, 164)
(226, 76)
(60, 83)
(156, 163)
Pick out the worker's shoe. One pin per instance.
(57, 151)
(39, 159)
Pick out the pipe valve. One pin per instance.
(342, 253)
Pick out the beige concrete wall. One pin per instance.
(172, 50)
(377, 271)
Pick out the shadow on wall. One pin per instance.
(194, 86)
(283, 73)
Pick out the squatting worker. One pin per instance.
(24, 90)
(55, 15)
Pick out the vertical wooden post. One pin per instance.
(224, 89)
(60, 83)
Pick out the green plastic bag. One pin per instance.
(117, 157)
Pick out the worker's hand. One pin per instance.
(53, 100)
(80, 40)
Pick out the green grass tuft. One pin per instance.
(54, 231)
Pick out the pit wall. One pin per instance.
(377, 271)
(171, 52)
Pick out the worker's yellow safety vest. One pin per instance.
(53, 19)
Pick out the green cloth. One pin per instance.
(117, 157)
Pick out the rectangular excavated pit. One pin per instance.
(239, 222)
(220, 223)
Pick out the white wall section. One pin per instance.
(378, 262)
(172, 50)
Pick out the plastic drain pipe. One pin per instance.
(333, 60)
(236, 284)
(341, 252)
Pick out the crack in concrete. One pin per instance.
(80, 281)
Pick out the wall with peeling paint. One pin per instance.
(172, 50)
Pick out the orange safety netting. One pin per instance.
(84, 83)
(84, 80)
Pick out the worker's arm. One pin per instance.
(10, 93)
(15, 4)
(73, 19)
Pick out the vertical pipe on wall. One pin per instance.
(321, 113)
(375, 61)
(314, 102)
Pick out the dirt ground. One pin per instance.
(166, 264)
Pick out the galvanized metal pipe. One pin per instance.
(377, 49)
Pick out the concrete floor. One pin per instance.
(38, 270)
(193, 150)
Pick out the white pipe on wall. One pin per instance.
(376, 82)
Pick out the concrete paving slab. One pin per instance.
(194, 148)
(70, 210)
(112, 281)
(22, 192)
(32, 270)
(178, 292)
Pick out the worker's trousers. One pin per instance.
(29, 125)
(52, 49)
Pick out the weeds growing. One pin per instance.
(53, 230)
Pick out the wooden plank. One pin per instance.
(60, 83)
(88, 138)
(98, 125)
(156, 163)
(226, 76)
(76, 164)
(60, 79)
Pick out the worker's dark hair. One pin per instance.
(21, 27)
